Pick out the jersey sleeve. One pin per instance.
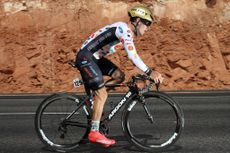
(125, 36)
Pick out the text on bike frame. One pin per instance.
(119, 105)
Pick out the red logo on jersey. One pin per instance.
(122, 40)
(130, 47)
(87, 71)
(118, 47)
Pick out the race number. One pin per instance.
(77, 82)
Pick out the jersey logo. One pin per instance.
(130, 47)
(117, 47)
(120, 29)
(84, 62)
(122, 40)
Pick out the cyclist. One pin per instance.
(92, 63)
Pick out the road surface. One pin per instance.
(207, 125)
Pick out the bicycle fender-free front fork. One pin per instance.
(148, 113)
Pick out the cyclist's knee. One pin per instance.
(101, 93)
(95, 83)
(119, 76)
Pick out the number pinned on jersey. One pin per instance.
(77, 82)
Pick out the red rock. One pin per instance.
(6, 61)
(37, 44)
(204, 75)
(185, 63)
(227, 61)
(22, 68)
(180, 74)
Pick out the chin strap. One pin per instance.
(135, 26)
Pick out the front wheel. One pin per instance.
(153, 123)
(62, 122)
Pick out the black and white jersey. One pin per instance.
(110, 38)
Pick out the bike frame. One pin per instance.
(129, 95)
(133, 91)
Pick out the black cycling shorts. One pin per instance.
(92, 70)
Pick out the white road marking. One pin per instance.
(31, 113)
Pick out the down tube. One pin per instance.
(126, 98)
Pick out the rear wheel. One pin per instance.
(153, 124)
(62, 122)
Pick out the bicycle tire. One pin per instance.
(49, 122)
(140, 136)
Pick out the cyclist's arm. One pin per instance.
(125, 36)
(132, 54)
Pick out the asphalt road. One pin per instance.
(207, 125)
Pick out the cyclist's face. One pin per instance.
(141, 28)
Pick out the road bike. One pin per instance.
(151, 120)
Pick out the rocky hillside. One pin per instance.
(189, 45)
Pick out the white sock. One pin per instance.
(95, 125)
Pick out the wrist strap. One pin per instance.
(148, 71)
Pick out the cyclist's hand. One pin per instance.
(157, 77)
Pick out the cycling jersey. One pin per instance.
(90, 59)
(108, 39)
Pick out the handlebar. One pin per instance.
(144, 78)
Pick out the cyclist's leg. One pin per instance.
(93, 78)
(110, 69)
(94, 135)
(99, 101)
(117, 77)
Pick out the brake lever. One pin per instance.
(158, 86)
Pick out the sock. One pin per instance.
(95, 125)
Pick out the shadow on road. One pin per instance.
(121, 146)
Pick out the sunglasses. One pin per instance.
(146, 22)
